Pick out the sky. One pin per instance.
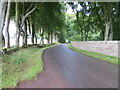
(70, 10)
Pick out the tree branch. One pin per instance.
(27, 14)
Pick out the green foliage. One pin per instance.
(61, 37)
(90, 20)
(50, 17)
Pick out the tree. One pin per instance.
(46, 13)
(108, 21)
(6, 27)
(17, 16)
(96, 20)
(2, 14)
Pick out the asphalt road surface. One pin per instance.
(65, 68)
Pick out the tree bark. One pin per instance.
(32, 30)
(25, 34)
(56, 37)
(51, 37)
(33, 33)
(48, 37)
(108, 23)
(35, 39)
(6, 28)
(42, 37)
(26, 15)
(23, 21)
(29, 28)
(17, 24)
(111, 31)
(3, 38)
(7, 36)
(107, 30)
(2, 14)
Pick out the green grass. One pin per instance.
(111, 59)
(24, 64)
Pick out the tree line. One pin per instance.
(94, 21)
(49, 20)
(40, 19)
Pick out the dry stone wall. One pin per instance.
(106, 47)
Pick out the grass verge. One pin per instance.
(24, 64)
(111, 59)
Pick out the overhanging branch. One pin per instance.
(27, 14)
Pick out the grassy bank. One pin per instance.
(21, 65)
(111, 59)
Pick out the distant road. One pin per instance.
(65, 68)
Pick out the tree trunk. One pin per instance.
(40, 36)
(35, 39)
(56, 37)
(111, 31)
(17, 24)
(26, 15)
(2, 14)
(107, 30)
(84, 31)
(25, 34)
(7, 36)
(48, 37)
(7, 21)
(51, 37)
(108, 17)
(102, 34)
(43, 36)
(33, 33)
(3, 38)
(29, 26)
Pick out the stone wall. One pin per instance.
(105, 47)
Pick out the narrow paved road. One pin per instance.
(65, 68)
